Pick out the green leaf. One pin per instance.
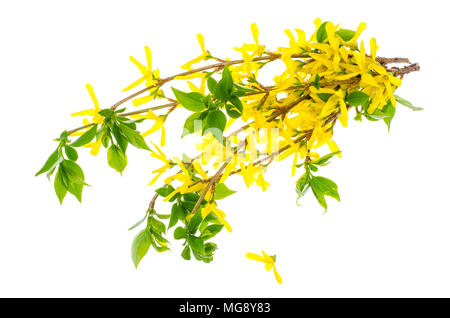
(194, 222)
(346, 34)
(227, 79)
(186, 254)
(322, 186)
(120, 138)
(159, 248)
(322, 161)
(234, 110)
(73, 171)
(191, 101)
(107, 113)
(211, 231)
(76, 189)
(196, 244)
(116, 158)
(60, 184)
(316, 82)
(156, 225)
(140, 246)
(216, 120)
(191, 197)
(105, 141)
(211, 83)
(51, 161)
(222, 191)
(389, 111)
(357, 98)
(210, 248)
(324, 96)
(302, 184)
(193, 123)
(71, 153)
(86, 137)
(179, 233)
(163, 216)
(165, 191)
(173, 215)
(134, 137)
(64, 135)
(241, 90)
(404, 102)
(138, 223)
(322, 33)
(221, 92)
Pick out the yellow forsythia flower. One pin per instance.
(268, 260)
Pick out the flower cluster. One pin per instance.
(243, 123)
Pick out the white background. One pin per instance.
(389, 236)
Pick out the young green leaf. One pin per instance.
(324, 96)
(173, 215)
(165, 191)
(138, 223)
(404, 102)
(116, 158)
(193, 123)
(179, 233)
(302, 184)
(186, 254)
(194, 222)
(191, 101)
(134, 137)
(105, 140)
(140, 246)
(71, 153)
(346, 34)
(211, 83)
(221, 92)
(156, 226)
(120, 138)
(222, 191)
(389, 111)
(316, 82)
(322, 186)
(73, 171)
(86, 137)
(227, 79)
(357, 98)
(211, 231)
(216, 120)
(76, 189)
(51, 161)
(107, 113)
(322, 161)
(234, 110)
(60, 184)
(322, 35)
(196, 244)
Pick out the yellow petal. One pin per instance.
(201, 42)
(88, 112)
(91, 93)
(373, 48)
(134, 84)
(255, 257)
(148, 55)
(199, 169)
(277, 276)
(343, 118)
(255, 32)
(141, 67)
